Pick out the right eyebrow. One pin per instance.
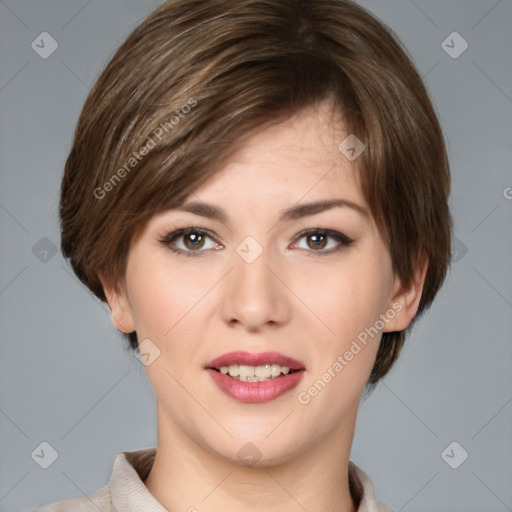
(296, 212)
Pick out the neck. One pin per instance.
(186, 476)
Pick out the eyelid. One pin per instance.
(179, 232)
(327, 232)
(173, 234)
(342, 239)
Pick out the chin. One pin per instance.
(258, 451)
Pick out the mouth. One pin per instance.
(255, 377)
(247, 366)
(260, 373)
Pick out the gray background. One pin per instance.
(65, 378)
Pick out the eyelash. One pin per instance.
(343, 240)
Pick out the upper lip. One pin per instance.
(255, 359)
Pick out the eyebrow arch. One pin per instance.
(295, 212)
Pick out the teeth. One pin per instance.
(260, 373)
(263, 371)
(246, 371)
(234, 370)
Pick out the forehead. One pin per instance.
(294, 159)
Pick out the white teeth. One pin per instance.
(234, 370)
(246, 371)
(263, 371)
(259, 373)
(276, 370)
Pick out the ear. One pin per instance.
(405, 301)
(120, 309)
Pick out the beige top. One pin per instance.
(126, 492)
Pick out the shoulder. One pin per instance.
(99, 500)
(124, 488)
(361, 488)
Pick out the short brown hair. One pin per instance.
(205, 76)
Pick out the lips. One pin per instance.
(255, 392)
(255, 359)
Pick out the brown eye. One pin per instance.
(190, 241)
(316, 241)
(193, 240)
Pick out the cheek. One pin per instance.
(348, 297)
(349, 303)
(153, 302)
(164, 298)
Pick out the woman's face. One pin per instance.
(277, 270)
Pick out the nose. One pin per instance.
(254, 296)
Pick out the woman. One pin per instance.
(259, 190)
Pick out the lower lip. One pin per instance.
(255, 392)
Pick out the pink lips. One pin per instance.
(255, 359)
(255, 392)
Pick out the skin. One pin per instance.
(292, 299)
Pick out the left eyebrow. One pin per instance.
(295, 212)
